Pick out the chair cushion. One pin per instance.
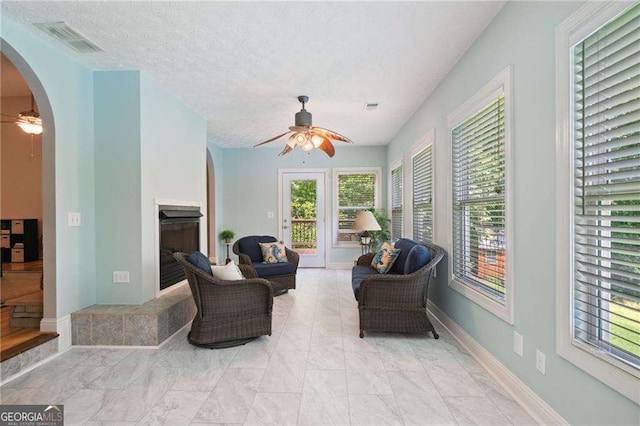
(358, 273)
(273, 252)
(418, 257)
(250, 246)
(200, 261)
(266, 270)
(405, 245)
(385, 258)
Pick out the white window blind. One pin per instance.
(356, 191)
(606, 231)
(479, 199)
(396, 203)
(422, 165)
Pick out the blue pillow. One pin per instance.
(418, 257)
(200, 261)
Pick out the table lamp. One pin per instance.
(365, 222)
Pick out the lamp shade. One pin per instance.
(365, 221)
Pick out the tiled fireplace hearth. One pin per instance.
(149, 324)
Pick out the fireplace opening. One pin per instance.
(179, 232)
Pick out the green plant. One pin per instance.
(379, 237)
(227, 235)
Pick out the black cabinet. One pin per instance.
(19, 240)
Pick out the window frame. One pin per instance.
(336, 172)
(617, 375)
(502, 83)
(428, 140)
(394, 166)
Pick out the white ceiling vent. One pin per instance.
(67, 35)
(371, 106)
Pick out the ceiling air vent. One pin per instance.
(371, 106)
(67, 35)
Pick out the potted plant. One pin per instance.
(227, 236)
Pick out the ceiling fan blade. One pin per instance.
(273, 139)
(327, 147)
(287, 149)
(8, 116)
(8, 122)
(333, 135)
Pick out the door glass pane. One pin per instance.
(303, 216)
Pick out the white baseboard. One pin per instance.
(517, 389)
(339, 265)
(62, 326)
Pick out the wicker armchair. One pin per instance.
(396, 302)
(281, 275)
(230, 313)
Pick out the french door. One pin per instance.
(303, 216)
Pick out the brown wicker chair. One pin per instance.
(397, 302)
(230, 313)
(249, 253)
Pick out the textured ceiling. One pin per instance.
(242, 65)
(11, 81)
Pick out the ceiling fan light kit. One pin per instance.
(306, 136)
(29, 121)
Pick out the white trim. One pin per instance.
(429, 139)
(340, 265)
(535, 406)
(334, 188)
(502, 83)
(157, 202)
(617, 375)
(62, 326)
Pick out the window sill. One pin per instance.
(501, 309)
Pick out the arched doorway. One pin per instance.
(48, 180)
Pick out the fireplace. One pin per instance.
(179, 232)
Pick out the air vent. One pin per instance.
(371, 106)
(67, 35)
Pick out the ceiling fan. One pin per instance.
(29, 121)
(306, 136)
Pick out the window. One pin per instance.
(355, 189)
(422, 166)
(480, 218)
(396, 203)
(598, 195)
(491, 257)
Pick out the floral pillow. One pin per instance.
(384, 258)
(273, 253)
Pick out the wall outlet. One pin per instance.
(121, 276)
(75, 219)
(541, 360)
(518, 344)
(269, 215)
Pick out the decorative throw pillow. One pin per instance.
(199, 260)
(228, 272)
(273, 253)
(384, 258)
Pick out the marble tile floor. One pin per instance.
(314, 369)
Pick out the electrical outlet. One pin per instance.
(541, 360)
(75, 219)
(269, 215)
(518, 344)
(120, 276)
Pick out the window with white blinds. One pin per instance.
(422, 170)
(478, 165)
(396, 203)
(355, 190)
(606, 179)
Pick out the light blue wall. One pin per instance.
(522, 35)
(118, 185)
(251, 187)
(69, 87)
(174, 143)
(217, 154)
